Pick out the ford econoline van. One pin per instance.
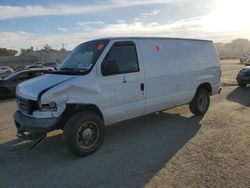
(109, 80)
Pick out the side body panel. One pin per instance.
(175, 68)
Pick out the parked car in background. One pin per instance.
(247, 62)
(41, 65)
(54, 65)
(8, 84)
(244, 58)
(243, 77)
(19, 68)
(5, 70)
(34, 66)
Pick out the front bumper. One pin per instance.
(216, 89)
(34, 125)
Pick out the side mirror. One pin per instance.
(109, 67)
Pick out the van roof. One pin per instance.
(165, 38)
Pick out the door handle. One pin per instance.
(124, 80)
(142, 86)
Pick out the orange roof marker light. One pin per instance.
(157, 48)
(100, 46)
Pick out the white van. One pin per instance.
(109, 80)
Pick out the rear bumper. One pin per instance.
(216, 89)
(35, 125)
(220, 90)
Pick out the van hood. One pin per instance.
(31, 89)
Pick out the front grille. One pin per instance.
(26, 106)
(22, 105)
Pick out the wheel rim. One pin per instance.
(87, 135)
(202, 102)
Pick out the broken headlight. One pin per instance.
(48, 107)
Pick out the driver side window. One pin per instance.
(23, 76)
(121, 58)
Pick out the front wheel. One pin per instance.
(200, 103)
(84, 133)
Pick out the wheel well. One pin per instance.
(206, 86)
(74, 108)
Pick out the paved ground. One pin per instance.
(230, 68)
(173, 149)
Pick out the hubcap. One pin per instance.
(87, 135)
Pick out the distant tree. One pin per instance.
(62, 49)
(25, 51)
(7, 52)
(48, 48)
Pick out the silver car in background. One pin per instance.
(5, 70)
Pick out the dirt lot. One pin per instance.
(173, 149)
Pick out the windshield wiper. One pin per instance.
(71, 71)
(67, 68)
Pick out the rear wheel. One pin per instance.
(242, 84)
(200, 103)
(84, 133)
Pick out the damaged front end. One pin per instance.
(35, 115)
(34, 120)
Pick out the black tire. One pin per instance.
(81, 130)
(242, 84)
(200, 103)
(4, 93)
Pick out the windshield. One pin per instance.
(83, 56)
(11, 76)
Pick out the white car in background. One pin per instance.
(5, 70)
(244, 58)
(40, 65)
(247, 62)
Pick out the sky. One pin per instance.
(35, 23)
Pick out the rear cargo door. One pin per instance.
(122, 82)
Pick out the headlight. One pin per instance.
(48, 107)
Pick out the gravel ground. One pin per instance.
(173, 149)
(219, 154)
(230, 69)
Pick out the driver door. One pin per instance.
(123, 90)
